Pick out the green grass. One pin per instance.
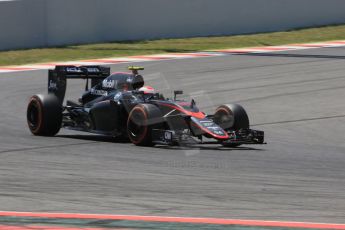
(128, 48)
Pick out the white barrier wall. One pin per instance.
(35, 23)
(21, 24)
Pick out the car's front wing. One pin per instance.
(243, 136)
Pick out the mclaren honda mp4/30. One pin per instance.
(119, 105)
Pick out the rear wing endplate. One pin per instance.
(57, 78)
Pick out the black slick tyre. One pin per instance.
(141, 120)
(44, 115)
(231, 117)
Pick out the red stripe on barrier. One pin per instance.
(247, 50)
(193, 54)
(234, 51)
(36, 227)
(253, 223)
(16, 68)
(150, 58)
(46, 64)
(270, 48)
(103, 61)
(309, 45)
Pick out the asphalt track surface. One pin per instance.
(296, 97)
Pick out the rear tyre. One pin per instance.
(231, 117)
(44, 115)
(141, 120)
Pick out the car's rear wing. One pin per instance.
(57, 78)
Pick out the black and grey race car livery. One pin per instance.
(114, 105)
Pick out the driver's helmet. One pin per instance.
(147, 90)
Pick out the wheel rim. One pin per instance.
(224, 118)
(137, 127)
(34, 116)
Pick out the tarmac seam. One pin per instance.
(45, 147)
(300, 120)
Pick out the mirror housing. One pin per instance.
(177, 92)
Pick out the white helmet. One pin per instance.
(147, 90)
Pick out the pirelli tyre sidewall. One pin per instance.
(231, 117)
(44, 115)
(141, 120)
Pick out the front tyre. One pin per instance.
(141, 120)
(231, 117)
(44, 115)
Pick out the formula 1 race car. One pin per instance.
(119, 105)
